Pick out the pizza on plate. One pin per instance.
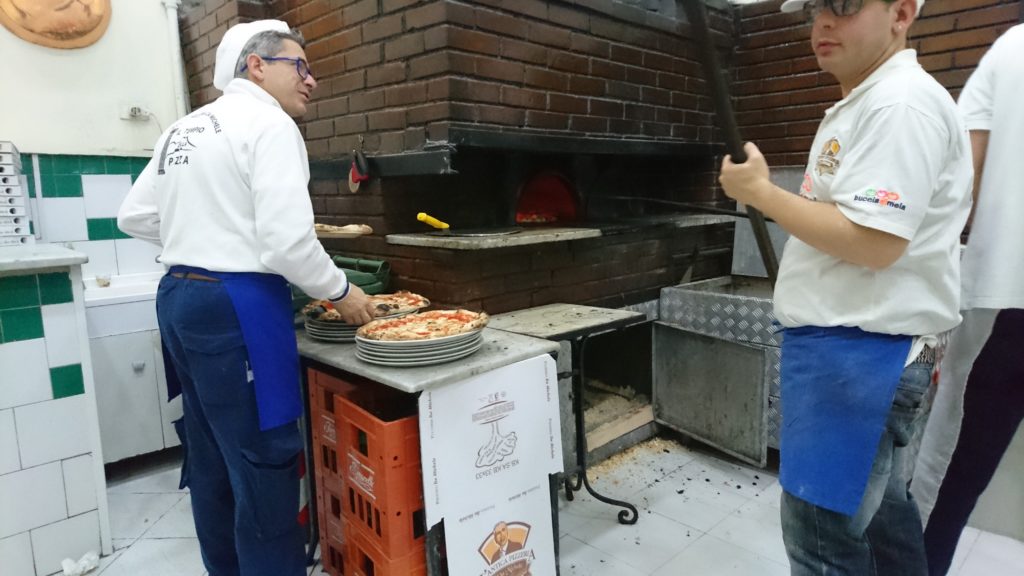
(424, 325)
(401, 302)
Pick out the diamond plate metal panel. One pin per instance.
(728, 308)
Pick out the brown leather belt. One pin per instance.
(194, 276)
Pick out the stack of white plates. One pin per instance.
(408, 353)
(337, 332)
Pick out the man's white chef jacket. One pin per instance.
(226, 190)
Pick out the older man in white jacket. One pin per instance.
(225, 196)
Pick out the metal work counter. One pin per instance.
(500, 349)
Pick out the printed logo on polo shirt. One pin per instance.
(881, 197)
(828, 162)
(807, 188)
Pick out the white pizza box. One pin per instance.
(12, 210)
(12, 201)
(15, 229)
(11, 190)
(17, 240)
(12, 180)
(10, 161)
(7, 147)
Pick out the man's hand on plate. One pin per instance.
(356, 308)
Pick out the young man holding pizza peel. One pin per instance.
(868, 282)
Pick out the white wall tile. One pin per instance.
(61, 330)
(31, 498)
(62, 219)
(16, 555)
(25, 377)
(80, 484)
(137, 256)
(55, 430)
(71, 538)
(102, 257)
(104, 194)
(9, 459)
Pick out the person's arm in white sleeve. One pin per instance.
(139, 214)
(284, 222)
(975, 104)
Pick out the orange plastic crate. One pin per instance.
(382, 478)
(363, 558)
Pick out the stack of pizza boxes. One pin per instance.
(14, 220)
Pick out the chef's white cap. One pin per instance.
(232, 44)
(794, 5)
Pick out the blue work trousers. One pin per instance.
(244, 482)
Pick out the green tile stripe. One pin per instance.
(21, 301)
(60, 175)
(104, 229)
(22, 324)
(67, 381)
(30, 174)
(55, 288)
(18, 292)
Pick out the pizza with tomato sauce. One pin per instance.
(401, 302)
(424, 325)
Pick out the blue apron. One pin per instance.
(838, 386)
(263, 304)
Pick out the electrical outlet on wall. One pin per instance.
(133, 112)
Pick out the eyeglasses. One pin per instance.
(838, 7)
(301, 66)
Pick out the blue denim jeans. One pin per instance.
(244, 482)
(884, 537)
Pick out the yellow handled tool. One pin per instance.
(430, 220)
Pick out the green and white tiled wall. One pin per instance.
(48, 490)
(78, 201)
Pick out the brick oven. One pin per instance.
(489, 114)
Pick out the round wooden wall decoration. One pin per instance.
(56, 23)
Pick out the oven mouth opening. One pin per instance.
(547, 198)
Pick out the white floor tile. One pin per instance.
(686, 498)
(967, 539)
(579, 559)
(646, 545)
(994, 555)
(176, 523)
(711, 556)
(159, 557)
(131, 515)
(754, 528)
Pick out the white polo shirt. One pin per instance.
(992, 100)
(894, 156)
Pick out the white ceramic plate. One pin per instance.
(413, 354)
(438, 359)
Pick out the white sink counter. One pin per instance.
(128, 304)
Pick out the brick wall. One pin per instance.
(202, 24)
(781, 95)
(399, 72)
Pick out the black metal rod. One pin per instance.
(696, 13)
(688, 205)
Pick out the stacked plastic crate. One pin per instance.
(369, 480)
(15, 229)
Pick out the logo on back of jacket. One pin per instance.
(185, 139)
